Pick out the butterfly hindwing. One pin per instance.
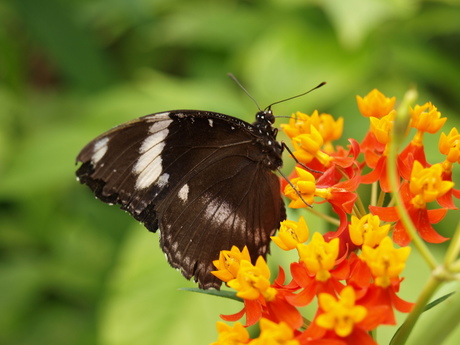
(200, 220)
(201, 177)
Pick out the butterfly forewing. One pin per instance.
(201, 177)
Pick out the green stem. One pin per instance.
(381, 198)
(327, 218)
(361, 210)
(453, 250)
(374, 192)
(455, 267)
(392, 202)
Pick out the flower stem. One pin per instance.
(454, 249)
(324, 216)
(360, 210)
(381, 198)
(374, 192)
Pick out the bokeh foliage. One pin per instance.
(75, 271)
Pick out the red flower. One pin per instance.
(421, 217)
(271, 301)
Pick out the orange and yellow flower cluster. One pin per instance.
(354, 272)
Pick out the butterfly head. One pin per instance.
(265, 116)
(264, 121)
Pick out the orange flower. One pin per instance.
(272, 333)
(301, 123)
(236, 335)
(229, 263)
(385, 261)
(449, 145)
(375, 104)
(421, 217)
(381, 127)
(304, 185)
(308, 146)
(426, 184)
(319, 256)
(367, 230)
(262, 299)
(426, 118)
(291, 233)
(340, 315)
(252, 281)
(343, 321)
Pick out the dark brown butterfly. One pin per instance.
(204, 179)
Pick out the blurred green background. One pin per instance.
(76, 271)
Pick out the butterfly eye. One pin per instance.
(270, 117)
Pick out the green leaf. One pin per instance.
(221, 293)
(437, 301)
(428, 307)
(440, 325)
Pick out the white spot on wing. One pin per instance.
(186, 261)
(148, 168)
(152, 140)
(100, 148)
(211, 123)
(159, 126)
(149, 165)
(163, 180)
(158, 117)
(222, 214)
(183, 193)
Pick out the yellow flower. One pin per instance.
(426, 121)
(381, 127)
(308, 146)
(375, 104)
(319, 256)
(340, 315)
(229, 263)
(236, 335)
(328, 128)
(427, 184)
(449, 145)
(272, 333)
(385, 261)
(305, 185)
(299, 123)
(367, 230)
(253, 281)
(291, 233)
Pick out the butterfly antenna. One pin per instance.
(242, 88)
(302, 94)
(283, 144)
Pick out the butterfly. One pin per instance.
(204, 179)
